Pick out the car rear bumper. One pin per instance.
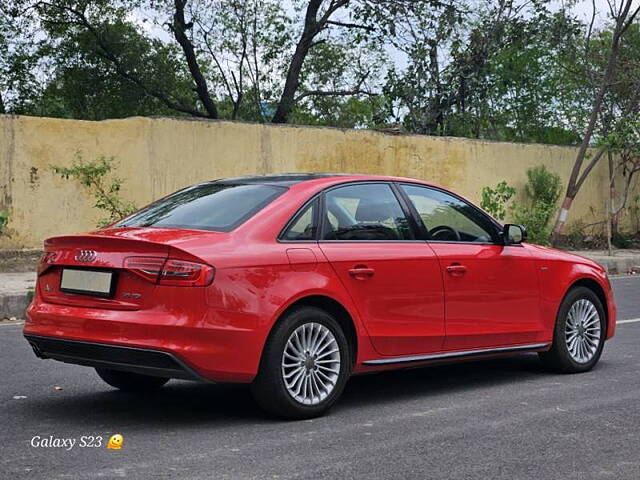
(208, 346)
(129, 359)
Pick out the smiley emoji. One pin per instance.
(115, 442)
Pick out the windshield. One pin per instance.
(210, 206)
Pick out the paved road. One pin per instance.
(499, 419)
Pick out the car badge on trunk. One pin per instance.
(85, 256)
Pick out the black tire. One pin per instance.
(268, 388)
(131, 382)
(559, 359)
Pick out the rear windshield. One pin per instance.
(211, 206)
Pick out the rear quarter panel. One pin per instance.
(252, 294)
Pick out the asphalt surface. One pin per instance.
(497, 419)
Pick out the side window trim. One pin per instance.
(420, 231)
(324, 218)
(424, 232)
(294, 218)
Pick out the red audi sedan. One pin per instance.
(295, 282)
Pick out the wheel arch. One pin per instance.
(596, 288)
(334, 308)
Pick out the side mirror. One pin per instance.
(513, 234)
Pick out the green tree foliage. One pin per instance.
(600, 83)
(257, 60)
(96, 177)
(515, 70)
(495, 200)
(4, 220)
(80, 67)
(18, 62)
(542, 190)
(500, 79)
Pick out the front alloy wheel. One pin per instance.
(582, 331)
(579, 334)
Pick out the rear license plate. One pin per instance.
(99, 283)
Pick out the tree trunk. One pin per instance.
(610, 203)
(311, 28)
(615, 212)
(292, 82)
(578, 177)
(2, 110)
(180, 28)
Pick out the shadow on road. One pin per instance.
(185, 403)
(440, 380)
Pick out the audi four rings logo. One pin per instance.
(86, 256)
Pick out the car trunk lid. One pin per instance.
(106, 252)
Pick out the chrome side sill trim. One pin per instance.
(466, 353)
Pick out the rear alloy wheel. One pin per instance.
(311, 363)
(305, 365)
(131, 382)
(579, 334)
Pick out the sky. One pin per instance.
(584, 8)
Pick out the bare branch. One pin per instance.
(585, 173)
(218, 64)
(350, 25)
(334, 93)
(590, 31)
(333, 7)
(631, 19)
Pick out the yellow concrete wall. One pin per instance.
(158, 156)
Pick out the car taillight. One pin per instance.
(179, 273)
(46, 260)
(183, 273)
(148, 268)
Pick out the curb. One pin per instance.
(24, 253)
(620, 266)
(14, 305)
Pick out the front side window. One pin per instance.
(364, 212)
(209, 206)
(448, 218)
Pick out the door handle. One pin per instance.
(361, 272)
(456, 269)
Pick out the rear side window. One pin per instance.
(365, 212)
(303, 226)
(210, 206)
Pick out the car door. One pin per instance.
(393, 278)
(491, 290)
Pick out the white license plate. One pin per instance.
(87, 282)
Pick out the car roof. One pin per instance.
(283, 179)
(290, 179)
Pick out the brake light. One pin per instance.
(148, 268)
(183, 273)
(180, 273)
(46, 260)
